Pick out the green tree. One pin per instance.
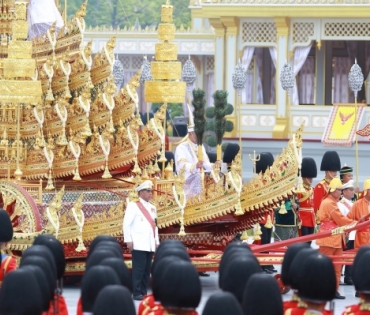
(125, 12)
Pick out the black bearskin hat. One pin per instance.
(99, 255)
(6, 227)
(183, 276)
(56, 249)
(295, 271)
(237, 273)
(222, 303)
(260, 289)
(119, 266)
(212, 157)
(266, 160)
(360, 275)
(232, 149)
(114, 300)
(311, 286)
(93, 281)
(289, 256)
(97, 240)
(20, 294)
(44, 252)
(309, 169)
(330, 161)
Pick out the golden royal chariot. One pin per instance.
(72, 148)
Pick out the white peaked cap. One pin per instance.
(191, 120)
(145, 185)
(349, 184)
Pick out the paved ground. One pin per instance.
(209, 286)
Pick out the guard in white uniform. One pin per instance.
(345, 205)
(141, 236)
(186, 155)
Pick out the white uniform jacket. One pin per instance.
(137, 229)
(345, 206)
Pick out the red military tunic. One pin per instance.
(351, 309)
(60, 304)
(304, 311)
(306, 210)
(361, 309)
(8, 264)
(319, 192)
(148, 305)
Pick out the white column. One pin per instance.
(219, 53)
(281, 127)
(231, 25)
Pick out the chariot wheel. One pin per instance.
(21, 207)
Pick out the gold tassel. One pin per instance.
(106, 171)
(77, 174)
(238, 208)
(136, 169)
(300, 188)
(244, 236)
(282, 208)
(257, 232)
(182, 228)
(268, 224)
(49, 95)
(50, 185)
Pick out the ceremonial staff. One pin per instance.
(287, 83)
(355, 80)
(239, 79)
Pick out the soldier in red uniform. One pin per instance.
(359, 271)
(316, 286)
(330, 164)
(266, 160)
(306, 209)
(8, 262)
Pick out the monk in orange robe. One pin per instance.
(359, 210)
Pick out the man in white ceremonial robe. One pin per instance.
(345, 205)
(140, 233)
(41, 15)
(186, 155)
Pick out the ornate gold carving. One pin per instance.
(20, 29)
(166, 51)
(165, 92)
(166, 12)
(19, 49)
(166, 70)
(20, 91)
(21, 10)
(15, 68)
(166, 31)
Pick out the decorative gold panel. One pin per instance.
(302, 32)
(165, 92)
(20, 29)
(166, 31)
(259, 32)
(166, 51)
(20, 91)
(20, 49)
(166, 14)
(166, 70)
(14, 68)
(21, 10)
